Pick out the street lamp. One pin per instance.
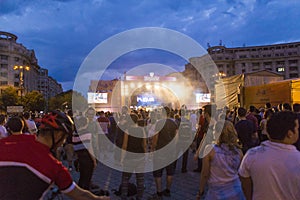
(220, 75)
(21, 75)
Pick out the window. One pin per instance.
(267, 63)
(17, 59)
(3, 74)
(293, 75)
(255, 64)
(293, 62)
(280, 62)
(4, 57)
(3, 47)
(3, 83)
(4, 66)
(293, 68)
(280, 69)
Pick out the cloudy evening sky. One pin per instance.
(62, 33)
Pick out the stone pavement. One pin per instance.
(184, 187)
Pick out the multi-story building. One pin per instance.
(43, 82)
(19, 68)
(54, 87)
(47, 85)
(220, 62)
(281, 58)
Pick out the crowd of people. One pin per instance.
(240, 153)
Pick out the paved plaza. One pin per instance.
(184, 187)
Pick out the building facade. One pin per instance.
(221, 62)
(19, 68)
(280, 58)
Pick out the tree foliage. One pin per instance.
(64, 101)
(34, 101)
(9, 97)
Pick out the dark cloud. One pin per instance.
(64, 1)
(63, 33)
(6, 8)
(264, 2)
(229, 14)
(9, 6)
(232, 1)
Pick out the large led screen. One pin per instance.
(202, 97)
(97, 97)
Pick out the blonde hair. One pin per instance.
(227, 134)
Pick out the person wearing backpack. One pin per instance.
(134, 141)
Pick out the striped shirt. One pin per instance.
(82, 140)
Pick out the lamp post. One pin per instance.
(21, 70)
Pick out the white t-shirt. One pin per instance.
(274, 169)
(31, 126)
(193, 120)
(3, 132)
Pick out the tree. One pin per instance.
(9, 97)
(34, 101)
(66, 100)
(79, 102)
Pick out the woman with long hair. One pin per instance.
(220, 165)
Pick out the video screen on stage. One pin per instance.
(202, 97)
(146, 99)
(97, 97)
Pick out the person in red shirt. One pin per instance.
(28, 168)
